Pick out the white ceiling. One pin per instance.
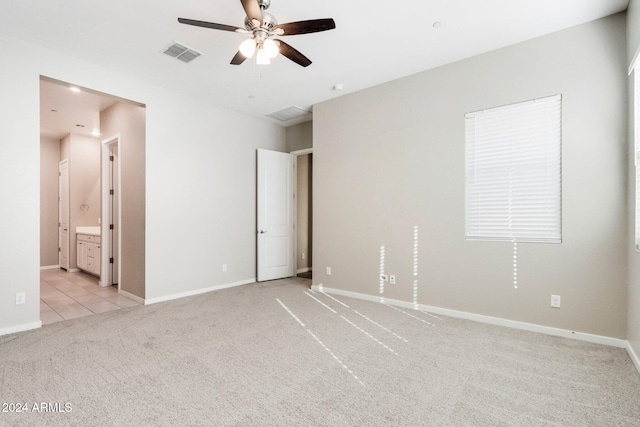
(63, 111)
(373, 42)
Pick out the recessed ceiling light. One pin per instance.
(252, 96)
(54, 111)
(437, 24)
(79, 126)
(338, 86)
(74, 89)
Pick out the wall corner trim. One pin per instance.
(21, 328)
(581, 336)
(634, 357)
(197, 291)
(131, 296)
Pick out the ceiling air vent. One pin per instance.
(181, 52)
(288, 113)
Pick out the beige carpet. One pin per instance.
(278, 354)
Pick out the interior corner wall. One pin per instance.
(300, 136)
(633, 306)
(128, 120)
(49, 161)
(389, 172)
(200, 181)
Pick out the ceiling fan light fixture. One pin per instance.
(262, 58)
(248, 47)
(263, 26)
(270, 48)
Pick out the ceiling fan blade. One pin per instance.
(211, 25)
(238, 59)
(252, 9)
(293, 54)
(305, 27)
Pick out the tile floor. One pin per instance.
(65, 296)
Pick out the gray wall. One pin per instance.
(49, 161)
(201, 196)
(633, 323)
(300, 136)
(84, 181)
(390, 158)
(128, 120)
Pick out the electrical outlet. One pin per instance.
(20, 298)
(555, 301)
(224, 268)
(302, 255)
(392, 279)
(328, 271)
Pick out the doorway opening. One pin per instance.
(63, 214)
(304, 212)
(284, 223)
(80, 229)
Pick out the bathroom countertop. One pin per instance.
(94, 231)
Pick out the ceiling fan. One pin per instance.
(263, 27)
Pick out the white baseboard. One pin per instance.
(131, 296)
(20, 328)
(596, 339)
(303, 270)
(633, 355)
(49, 267)
(197, 292)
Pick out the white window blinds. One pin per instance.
(513, 172)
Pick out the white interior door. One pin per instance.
(111, 215)
(63, 214)
(275, 215)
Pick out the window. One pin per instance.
(513, 172)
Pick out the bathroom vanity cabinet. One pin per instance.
(88, 253)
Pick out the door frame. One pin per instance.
(60, 245)
(295, 205)
(106, 244)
